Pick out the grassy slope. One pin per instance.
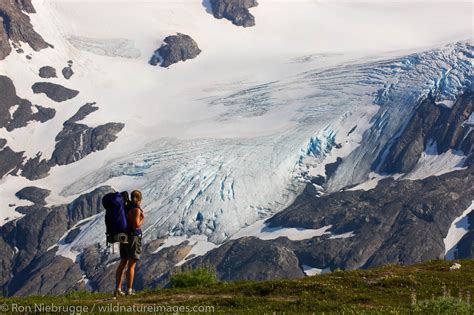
(388, 289)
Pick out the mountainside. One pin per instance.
(260, 150)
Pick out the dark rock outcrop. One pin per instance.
(10, 161)
(47, 72)
(67, 72)
(86, 205)
(236, 11)
(251, 258)
(430, 122)
(76, 140)
(33, 235)
(82, 113)
(34, 194)
(2, 142)
(25, 111)
(16, 26)
(396, 222)
(25, 114)
(156, 266)
(56, 92)
(36, 168)
(177, 48)
(8, 98)
(25, 5)
(6, 255)
(49, 274)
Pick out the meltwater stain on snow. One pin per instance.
(111, 47)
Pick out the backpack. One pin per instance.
(116, 226)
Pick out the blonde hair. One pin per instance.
(136, 198)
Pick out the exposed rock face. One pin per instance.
(36, 168)
(82, 113)
(67, 72)
(25, 114)
(10, 161)
(49, 274)
(252, 258)
(178, 48)
(16, 26)
(153, 270)
(34, 194)
(6, 254)
(8, 98)
(11, 117)
(465, 248)
(2, 142)
(416, 217)
(32, 265)
(25, 5)
(156, 267)
(87, 205)
(236, 11)
(56, 92)
(77, 141)
(431, 122)
(47, 72)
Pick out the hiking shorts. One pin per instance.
(133, 249)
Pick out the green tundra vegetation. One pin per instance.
(425, 288)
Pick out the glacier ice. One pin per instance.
(217, 186)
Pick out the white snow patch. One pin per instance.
(312, 271)
(262, 231)
(73, 249)
(374, 179)
(433, 164)
(171, 241)
(457, 230)
(201, 246)
(9, 200)
(343, 235)
(13, 109)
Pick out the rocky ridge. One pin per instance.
(25, 246)
(179, 47)
(16, 112)
(55, 92)
(16, 26)
(236, 11)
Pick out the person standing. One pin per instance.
(130, 252)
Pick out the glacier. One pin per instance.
(216, 187)
(232, 137)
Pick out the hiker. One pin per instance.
(130, 252)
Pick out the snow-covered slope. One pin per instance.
(221, 141)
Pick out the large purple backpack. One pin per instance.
(115, 216)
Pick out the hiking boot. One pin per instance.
(130, 292)
(118, 292)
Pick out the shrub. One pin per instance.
(443, 305)
(193, 278)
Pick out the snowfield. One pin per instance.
(222, 141)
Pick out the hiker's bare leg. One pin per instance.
(119, 273)
(131, 272)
